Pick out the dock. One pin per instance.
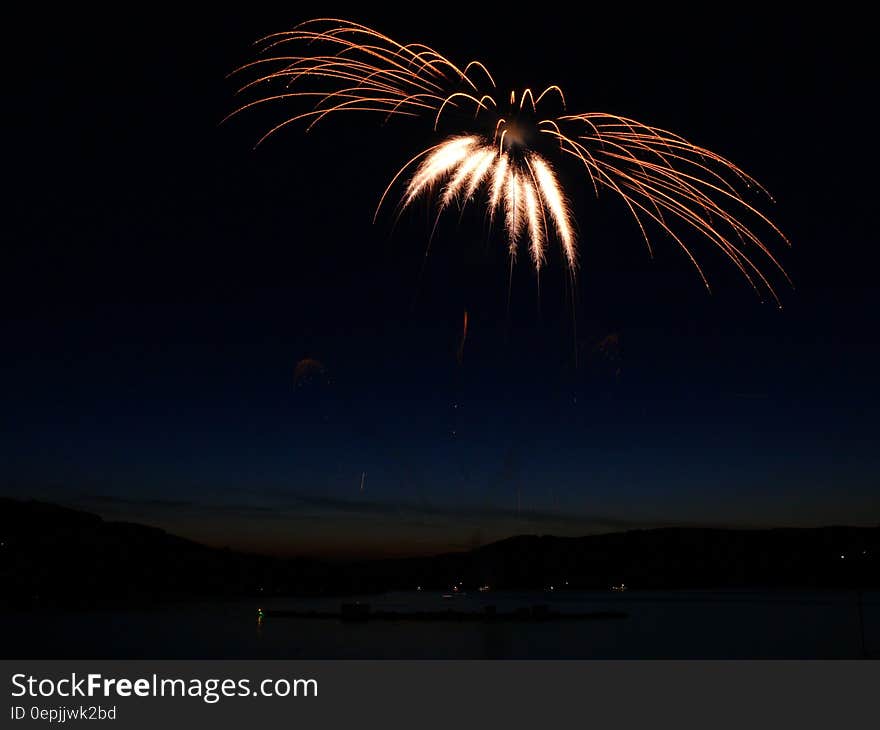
(360, 612)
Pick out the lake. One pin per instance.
(660, 625)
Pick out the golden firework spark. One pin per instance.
(664, 180)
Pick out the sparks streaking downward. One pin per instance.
(665, 181)
(524, 194)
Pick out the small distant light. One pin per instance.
(842, 556)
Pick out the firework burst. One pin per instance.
(666, 182)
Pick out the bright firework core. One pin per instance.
(519, 185)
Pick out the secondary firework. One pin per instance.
(498, 154)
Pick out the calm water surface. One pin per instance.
(660, 625)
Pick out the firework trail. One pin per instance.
(459, 355)
(666, 182)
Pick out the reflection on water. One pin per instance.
(660, 625)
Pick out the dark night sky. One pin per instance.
(160, 279)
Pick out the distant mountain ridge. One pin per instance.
(56, 555)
